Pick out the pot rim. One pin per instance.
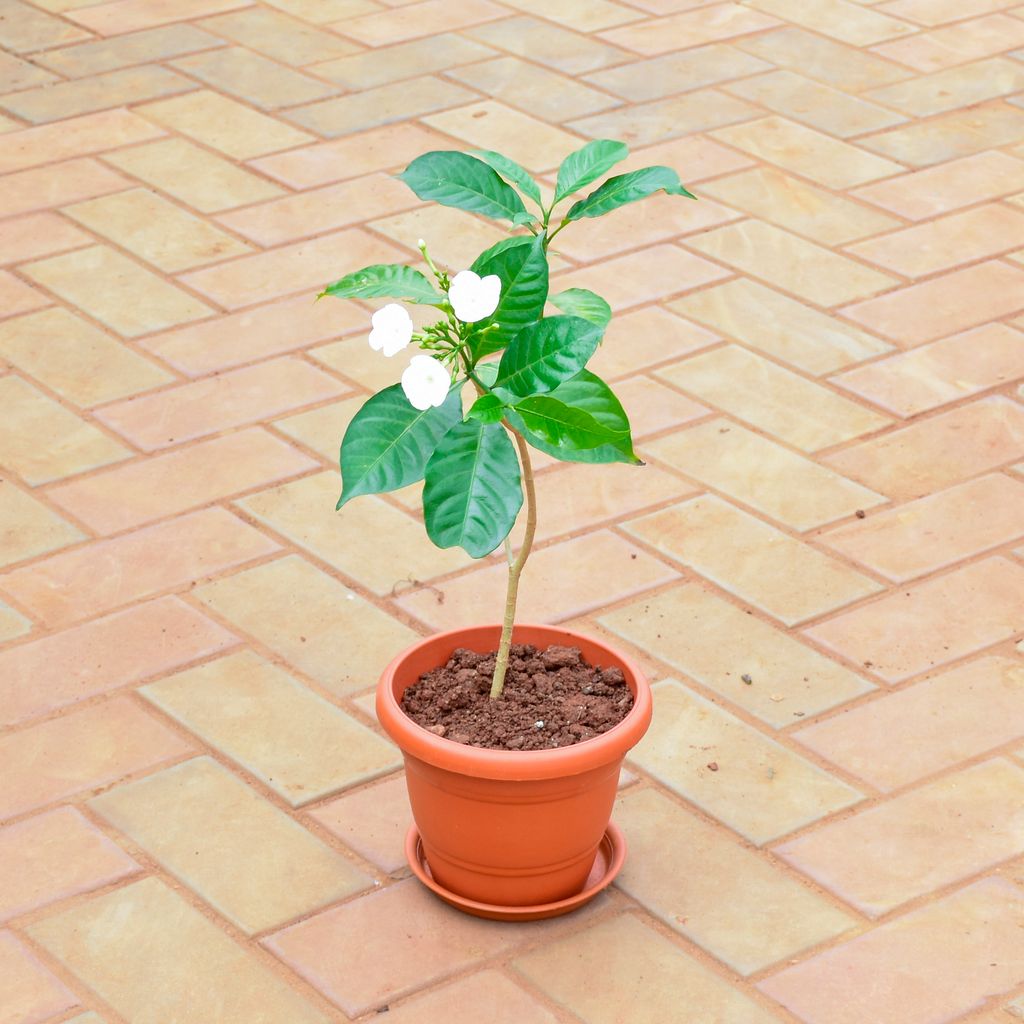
(522, 765)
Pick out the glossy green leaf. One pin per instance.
(511, 171)
(487, 409)
(587, 165)
(392, 279)
(388, 442)
(628, 188)
(564, 426)
(499, 247)
(544, 354)
(523, 270)
(583, 303)
(463, 181)
(472, 493)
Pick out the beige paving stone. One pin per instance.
(311, 621)
(16, 297)
(537, 39)
(936, 530)
(966, 611)
(755, 562)
(791, 408)
(956, 44)
(30, 528)
(12, 623)
(948, 186)
(75, 359)
(25, 29)
(21, 74)
(841, 20)
(53, 856)
(934, 453)
(942, 721)
(700, 881)
(760, 789)
(247, 846)
(321, 11)
(116, 291)
(583, 15)
(224, 124)
(322, 429)
(630, 952)
(945, 951)
(81, 751)
(943, 305)
(372, 821)
(292, 740)
(286, 39)
(772, 479)
(304, 513)
(954, 87)
(99, 92)
(940, 12)
(119, 16)
(791, 263)
(798, 206)
(56, 185)
(291, 268)
(698, 157)
(106, 574)
(804, 151)
(177, 481)
(104, 654)
(29, 993)
(689, 28)
(606, 568)
(829, 110)
(200, 179)
(42, 441)
(395, 26)
(38, 234)
(322, 209)
(156, 230)
(152, 956)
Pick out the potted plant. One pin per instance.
(511, 803)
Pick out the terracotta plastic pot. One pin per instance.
(501, 827)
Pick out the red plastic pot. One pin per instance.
(510, 828)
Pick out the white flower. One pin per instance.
(474, 298)
(392, 329)
(425, 382)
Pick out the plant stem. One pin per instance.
(515, 568)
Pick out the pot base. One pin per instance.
(611, 854)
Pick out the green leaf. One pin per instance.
(487, 409)
(523, 270)
(388, 442)
(587, 165)
(628, 188)
(586, 392)
(563, 426)
(583, 303)
(499, 247)
(511, 171)
(392, 279)
(543, 355)
(472, 493)
(460, 180)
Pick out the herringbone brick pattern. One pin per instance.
(822, 564)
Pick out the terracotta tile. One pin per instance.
(353, 358)
(939, 12)
(84, 750)
(53, 856)
(630, 953)
(943, 305)
(372, 821)
(29, 993)
(116, 291)
(606, 571)
(956, 44)
(942, 721)
(653, 407)
(37, 234)
(43, 441)
(285, 39)
(583, 15)
(21, 74)
(197, 177)
(321, 429)
(321, 11)
(167, 484)
(319, 210)
(945, 951)
(940, 372)
(697, 156)
(954, 87)
(309, 619)
(386, 104)
(292, 268)
(703, 883)
(56, 185)
(796, 148)
(548, 44)
(841, 20)
(119, 16)
(74, 359)
(105, 574)
(17, 297)
(12, 624)
(30, 528)
(151, 955)
(248, 844)
(964, 611)
(256, 333)
(224, 124)
(26, 28)
(689, 28)
(417, 19)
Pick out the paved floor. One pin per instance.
(820, 564)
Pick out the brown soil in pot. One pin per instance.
(552, 698)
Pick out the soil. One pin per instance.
(552, 698)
